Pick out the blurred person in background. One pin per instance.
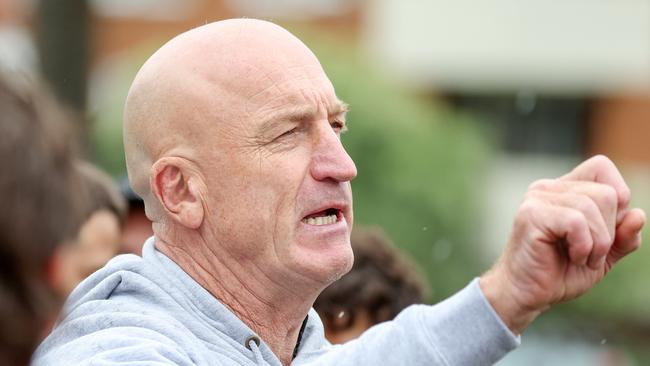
(381, 283)
(42, 207)
(100, 235)
(137, 227)
(232, 136)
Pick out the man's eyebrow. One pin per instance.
(340, 107)
(296, 114)
(302, 113)
(339, 111)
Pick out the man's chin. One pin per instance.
(327, 266)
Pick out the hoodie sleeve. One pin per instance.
(462, 330)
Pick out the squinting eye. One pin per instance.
(338, 126)
(288, 133)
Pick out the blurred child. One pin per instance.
(381, 283)
(98, 239)
(137, 227)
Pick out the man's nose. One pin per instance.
(330, 160)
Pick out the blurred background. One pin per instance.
(455, 108)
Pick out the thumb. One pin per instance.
(628, 236)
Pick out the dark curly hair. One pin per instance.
(382, 282)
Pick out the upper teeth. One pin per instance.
(321, 220)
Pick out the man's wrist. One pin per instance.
(498, 291)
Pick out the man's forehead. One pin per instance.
(233, 75)
(303, 85)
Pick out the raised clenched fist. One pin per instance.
(566, 236)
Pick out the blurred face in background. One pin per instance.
(98, 241)
(137, 229)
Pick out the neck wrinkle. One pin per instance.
(277, 322)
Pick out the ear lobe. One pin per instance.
(177, 192)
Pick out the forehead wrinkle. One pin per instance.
(281, 77)
(299, 96)
(333, 105)
(272, 115)
(295, 114)
(274, 76)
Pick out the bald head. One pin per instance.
(233, 139)
(201, 80)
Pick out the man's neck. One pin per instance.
(275, 314)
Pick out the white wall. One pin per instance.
(557, 46)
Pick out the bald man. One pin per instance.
(232, 137)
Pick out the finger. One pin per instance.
(600, 234)
(570, 226)
(604, 196)
(578, 237)
(628, 236)
(600, 169)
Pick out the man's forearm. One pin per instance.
(462, 330)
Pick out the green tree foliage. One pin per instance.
(418, 165)
(108, 94)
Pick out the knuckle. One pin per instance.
(526, 210)
(530, 204)
(585, 204)
(601, 246)
(541, 185)
(530, 198)
(623, 195)
(582, 249)
(603, 161)
(575, 220)
(608, 195)
(600, 249)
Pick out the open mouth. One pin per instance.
(325, 217)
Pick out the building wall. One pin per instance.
(620, 128)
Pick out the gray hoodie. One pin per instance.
(148, 311)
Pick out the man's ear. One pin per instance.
(177, 190)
